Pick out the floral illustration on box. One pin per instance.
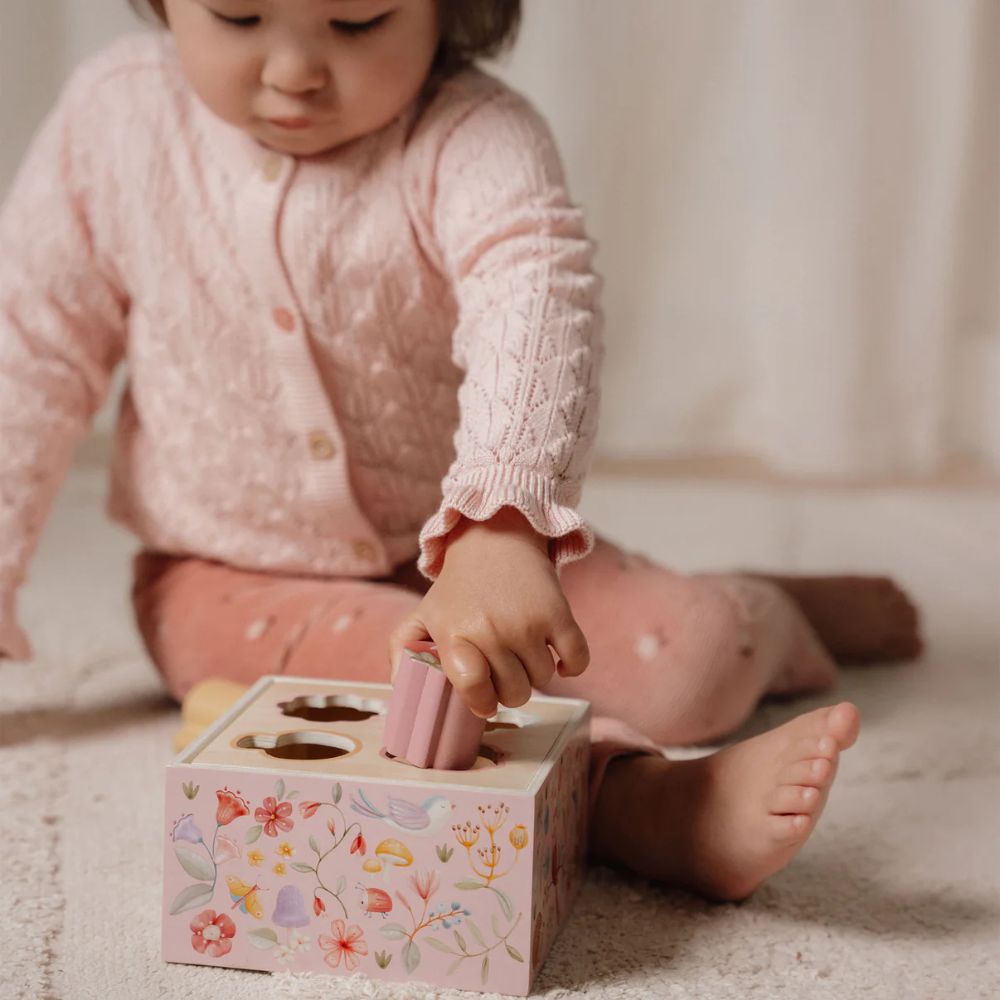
(256, 846)
(213, 935)
(442, 916)
(492, 818)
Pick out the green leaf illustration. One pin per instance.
(196, 865)
(192, 896)
(263, 938)
(337, 792)
(393, 931)
(253, 833)
(439, 945)
(470, 883)
(341, 884)
(314, 845)
(382, 959)
(411, 956)
(461, 942)
(279, 789)
(291, 795)
(454, 965)
(301, 866)
(495, 921)
(505, 903)
(514, 953)
(486, 968)
(477, 933)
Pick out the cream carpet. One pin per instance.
(897, 894)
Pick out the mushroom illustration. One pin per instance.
(290, 908)
(389, 852)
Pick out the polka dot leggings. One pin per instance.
(675, 659)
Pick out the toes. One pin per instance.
(843, 722)
(816, 772)
(794, 799)
(791, 829)
(824, 747)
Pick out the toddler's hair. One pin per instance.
(470, 29)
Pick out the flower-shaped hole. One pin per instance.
(510, 718)
(332, 708)
(300, 745)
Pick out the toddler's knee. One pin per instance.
(703, 685)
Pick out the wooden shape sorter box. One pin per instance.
(294, 842)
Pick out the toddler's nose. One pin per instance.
(295, 71)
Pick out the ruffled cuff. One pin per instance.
(14, 643)
(478, 494)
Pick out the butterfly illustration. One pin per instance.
(245, 896)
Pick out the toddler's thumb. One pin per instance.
(410, 629)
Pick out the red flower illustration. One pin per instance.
(319, 907)
(347, 943)
(358, 844)
(425, 885)
(232, 805)
(331, 827)
(308, 808)
(212, 934)
(274, 815)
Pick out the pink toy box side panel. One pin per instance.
(560, 844)
(331, 876)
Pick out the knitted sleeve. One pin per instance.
(528, 331)
(61, 329)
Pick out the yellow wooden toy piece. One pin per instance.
(203, 704)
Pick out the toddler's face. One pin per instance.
(305, 76)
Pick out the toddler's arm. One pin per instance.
(61, 332)
(528, 334)
(528, 339)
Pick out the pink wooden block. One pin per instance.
(428, 725)
(292, 841)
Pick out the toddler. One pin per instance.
(363, 342)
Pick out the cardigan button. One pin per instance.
(272, 168)
(284, 319)
(321, 447)
(363, 550)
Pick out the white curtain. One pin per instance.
(797, 204)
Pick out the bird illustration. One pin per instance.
(419, 820)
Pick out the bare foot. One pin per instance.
(860, 619)
(723, 824)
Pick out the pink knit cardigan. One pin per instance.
(330, 360)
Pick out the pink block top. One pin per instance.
(331, 360)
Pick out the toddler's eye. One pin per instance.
(238, 22)
(359, 27)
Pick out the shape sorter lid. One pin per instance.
(335, 728)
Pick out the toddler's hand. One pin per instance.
(493, 611)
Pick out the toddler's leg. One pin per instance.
(203, 619)
(685, 659)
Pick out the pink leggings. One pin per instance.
(675, 659)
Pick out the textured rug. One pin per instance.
(896, 895)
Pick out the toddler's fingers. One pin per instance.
(469, 672)
(540, 664)
(571, 647)
(510, 678)
(410, 629)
